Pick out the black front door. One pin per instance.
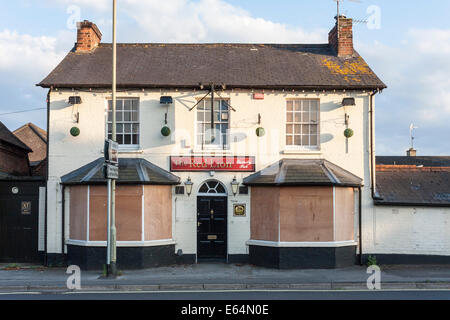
(212, 227)
(19, 222)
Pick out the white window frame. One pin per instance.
(301, 147)
(126, 147)
(196, 123)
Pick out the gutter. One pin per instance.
(375, 194)
(411, 204)
(46, 179)
(85, 87)
(63, 218)
(360, 225)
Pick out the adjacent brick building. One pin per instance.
(13, 154)
(36, 139)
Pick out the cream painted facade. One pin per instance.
(68, 153)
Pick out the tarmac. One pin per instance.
(217, 276)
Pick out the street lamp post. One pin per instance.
(112, 227)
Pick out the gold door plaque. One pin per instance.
(212, 237)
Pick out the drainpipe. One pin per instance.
(360, 225)
(46, 177)
(63, 218)
(375, 195)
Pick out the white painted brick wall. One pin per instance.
(409, 230)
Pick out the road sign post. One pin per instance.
(111, 173)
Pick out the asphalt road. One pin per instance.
(236, 295)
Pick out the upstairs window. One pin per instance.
(127, 121)
(302, 123)
(205, 136)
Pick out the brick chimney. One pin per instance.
(342, 44)
(88, 36)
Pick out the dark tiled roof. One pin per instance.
(236, 65)
(414, 161)
(300, 172)
(412, 187)
(41, 133)
(131, 171)
(9, 137)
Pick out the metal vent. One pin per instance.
(243, 190)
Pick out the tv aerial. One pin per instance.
(338, 9)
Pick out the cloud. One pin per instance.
(24, 61)
(196, 21)
(101, 5)
(416, 72)
(26, 55)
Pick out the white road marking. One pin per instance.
(250, 290)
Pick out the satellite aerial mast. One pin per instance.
(411, 134)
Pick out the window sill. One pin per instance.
(130, 150)
(210, 151)
(302, 151)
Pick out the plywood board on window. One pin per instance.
(265, 202)
(345, 214)
(128, 213)
(306, 214)
(157, 212)
(78, 213)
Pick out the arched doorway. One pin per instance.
(212, 221)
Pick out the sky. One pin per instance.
(407, 43)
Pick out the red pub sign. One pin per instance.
(235, 164)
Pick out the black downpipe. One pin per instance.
(375, 195)
(212, 108)
(63, 224)
(372, 180)
(46, 179)
(360, 225)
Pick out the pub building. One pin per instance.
(241, 153)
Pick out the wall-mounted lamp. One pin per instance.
(188, 185)
(166, 100)
(75, 100)
(348, 102)
(234, 186)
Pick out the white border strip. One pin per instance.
(41, 218)
(151, 243)
(88, 213)
(331, 244)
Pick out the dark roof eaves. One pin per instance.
(301, 184)
(195, 86)
(410, 204)
(118, 182)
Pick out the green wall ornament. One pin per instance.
(75, 131)
(165, 131)
(260, 131)
(348, 133)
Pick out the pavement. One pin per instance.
(217, 276)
